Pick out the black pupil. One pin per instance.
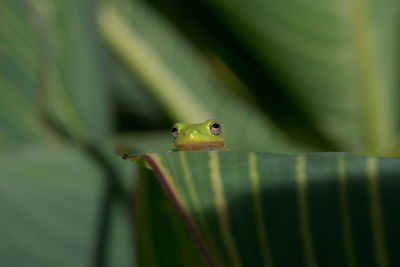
(215, 125)
(174, 129)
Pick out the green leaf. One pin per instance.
(18, 61)
(161, 237)
(51, 202)
(74, 83)
(259, 209)
(179, 77)
(45, 201)
(51, 72)
(339, 58)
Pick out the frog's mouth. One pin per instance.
(204, 145)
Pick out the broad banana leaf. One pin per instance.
(260, 209)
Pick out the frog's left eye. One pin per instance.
(215, 128)
(174, 131)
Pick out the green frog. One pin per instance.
(202, 136)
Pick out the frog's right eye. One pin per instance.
(215, 128)
(174, 131)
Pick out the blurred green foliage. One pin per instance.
(81, 78)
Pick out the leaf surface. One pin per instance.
(51, 202)
(179, 77)
(338, 58)
(18, 62)
(74, 81)
(255, 209)
(161, 238)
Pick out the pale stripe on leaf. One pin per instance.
(222, 211)
(196, 204)
(257, 202)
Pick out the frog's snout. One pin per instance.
(191, 134)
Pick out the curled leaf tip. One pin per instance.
(141, 159)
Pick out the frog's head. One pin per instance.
(202, 136)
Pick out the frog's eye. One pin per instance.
(174, 131)
(215, 128)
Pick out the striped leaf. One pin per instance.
(162, 239)
(260, 209)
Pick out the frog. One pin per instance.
(200, 136)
